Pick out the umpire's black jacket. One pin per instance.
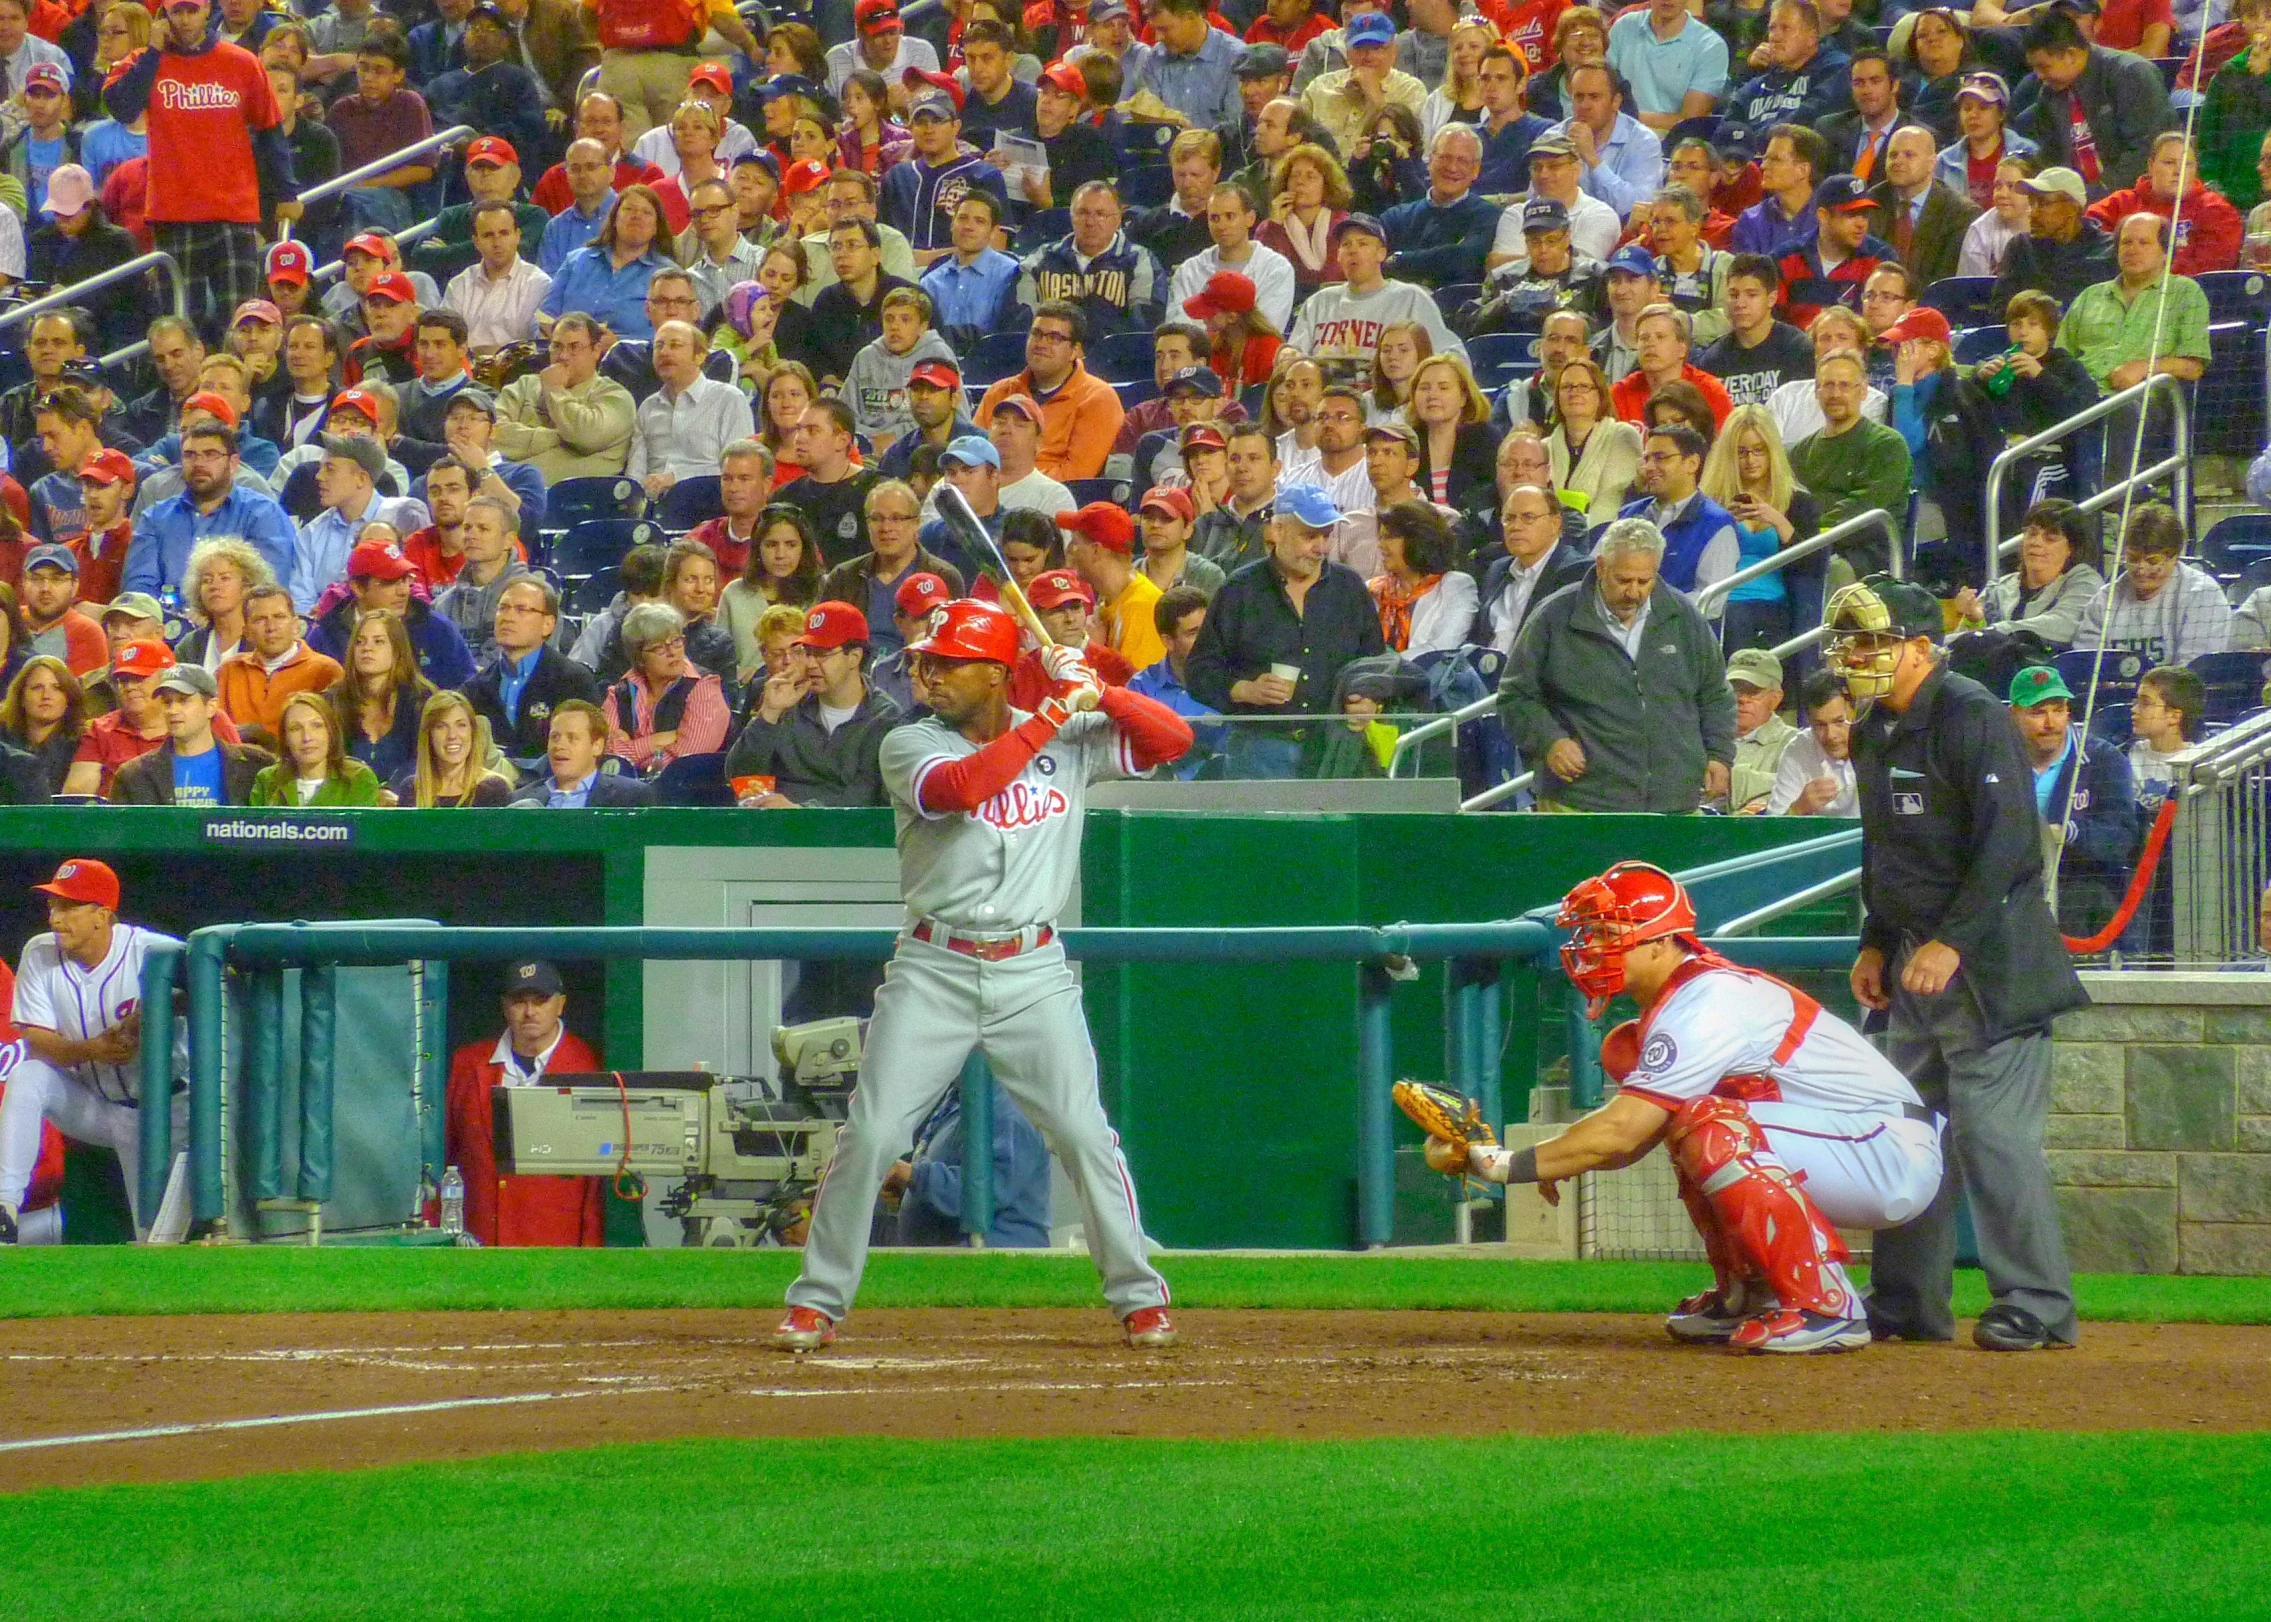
(1952, 851)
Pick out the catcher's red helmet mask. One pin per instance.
(1632, 903)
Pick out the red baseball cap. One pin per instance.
(357, 400)
(257, 309)
(939, 374)
(377, 244)
(806, 174)
(496, 149)
(1204, 436)
(378, 560)
(715, 74)
(831, 625)
(1023, 404)
(1917, 323)
(206, 400)
(1058, 587)
(917, 80)
(1171, 499)
(918, 594)
(393, 287)
(1226, 293)
(290, 263)
(1065, 77)
(139, 659)
(83, 879)
(874, 16)
(108, 466)
(1108, 526)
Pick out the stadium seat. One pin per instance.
(2236, 544)
(1975, 344)
(1046, 226)
(1496, 357)
(1134, 392)
(15, 366)
(599, 543)
(690, 502)
(2236, 295)
(1119, 492)
(2234, 682)
(1122, 357)
(2227, 407)
(694, 780)
(572, 501)
(1146, 185)
(595, 594)
(2251, 579)
(2117, 675)
(995, 356)
(1450, 296)
(1962, 299)
(2111, 723)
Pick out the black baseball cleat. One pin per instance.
(1883, 1327)
(2005, 1328)
(7, 1224)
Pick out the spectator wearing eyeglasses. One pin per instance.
(817, 729)
(662, 709)
(1079, 413)
(871, 581)
(527, 679)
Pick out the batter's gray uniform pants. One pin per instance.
(1024, 1013)
(1995, 1096)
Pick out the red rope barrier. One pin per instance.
(2139, 883)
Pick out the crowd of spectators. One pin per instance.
(766, 271)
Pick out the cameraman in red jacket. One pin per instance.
(521, 1210)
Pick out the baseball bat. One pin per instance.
(954, 507)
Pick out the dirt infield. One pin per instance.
(491, 1382)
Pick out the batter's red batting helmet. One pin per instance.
(1632, 903)
(969, 629)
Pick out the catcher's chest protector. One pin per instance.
(1754, 1087)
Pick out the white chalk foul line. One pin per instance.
(204, 1427)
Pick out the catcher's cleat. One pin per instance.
(7, 1224)
(1149, 1328)
(1711, 1319)
(804, 1330)
(1799, 1329)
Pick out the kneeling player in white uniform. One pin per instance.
(1782, 1122)
(79, 1010)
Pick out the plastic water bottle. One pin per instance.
(453, 1202)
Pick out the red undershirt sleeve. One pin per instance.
(1154, 733)
(965, 784)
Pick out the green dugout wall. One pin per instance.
(1233, 1086)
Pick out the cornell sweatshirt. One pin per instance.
(1339, 324)
(875, 387)
(2186, 618)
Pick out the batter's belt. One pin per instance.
(985, 948)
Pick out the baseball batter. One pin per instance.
(78, 1008)
(1782, 1122)
(990, 803)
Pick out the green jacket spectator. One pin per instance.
(2110, 325)
(2235, 110)
(1853, 464)
(356, 784)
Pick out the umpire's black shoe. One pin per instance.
(2005, 1328)
(1882, 1327)
(7, 1226)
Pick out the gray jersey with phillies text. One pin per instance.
(1010, 863)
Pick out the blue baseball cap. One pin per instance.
(973, 450)
(788, 84)
(1372, 28)
(1307, 503)
(1633, 260)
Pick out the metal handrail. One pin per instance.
(1837, 884)
(77, 292)
(326, 190)
(2179, 463)
(1441, 724)
(2209, 763)
(1875, 517)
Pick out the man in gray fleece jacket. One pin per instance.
(1616, 692)
(876, 386)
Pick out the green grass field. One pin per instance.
(84, 1280)
(1855, 1528)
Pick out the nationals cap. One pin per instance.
(1202, 380)
(392, 287)
(1064, 78)
(46, 76)
(84, 880)
(918, 594)
(918, 81)
(496, 151)
(212, 405)
(375, 243)
(533, 976)
(1057, 587)
(359, 401)
(139, 659)
(52, 556)
(378, 560)
(290, 263)
(1917, 323)
(1108, 526)
(1843, 194)
(831, 625)
(257, 309)
(1226, 291)
(1171, 499)
(713, 73)
(1023, 404)
(939, 374)
(108, 466)
(806, 174)
(876, 16)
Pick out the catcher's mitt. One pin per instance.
(1443, 1114)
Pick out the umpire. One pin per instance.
(1962, 963)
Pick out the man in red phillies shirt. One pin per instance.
(217, 154)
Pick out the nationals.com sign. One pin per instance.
(272, 833)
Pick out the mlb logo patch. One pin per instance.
(1908, 805)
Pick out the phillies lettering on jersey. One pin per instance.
(1022, 805)
(178, 97)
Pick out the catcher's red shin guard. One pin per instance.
(1764, 1217)
(1729, 1269)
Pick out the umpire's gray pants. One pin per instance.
(1995, 1096)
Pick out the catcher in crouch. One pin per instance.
(1780, 1119)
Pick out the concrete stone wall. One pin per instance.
(2160, 1131)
